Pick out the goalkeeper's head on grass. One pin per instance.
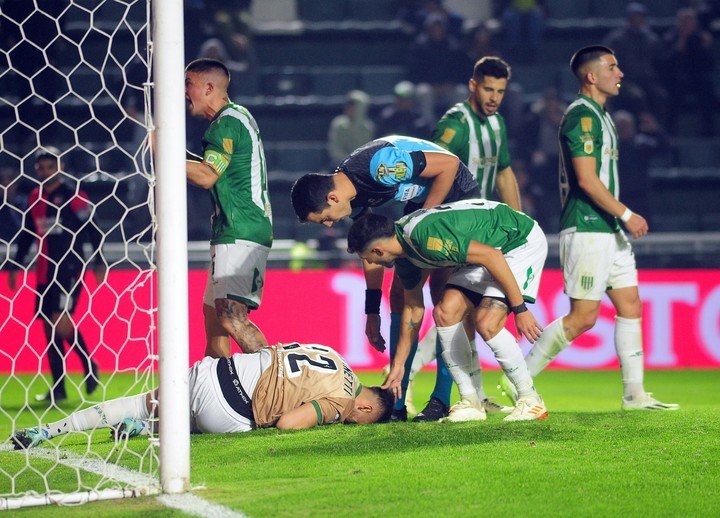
(289, 386)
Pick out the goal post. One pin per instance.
(89, 81)
(168, 64)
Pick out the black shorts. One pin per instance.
(57, 296)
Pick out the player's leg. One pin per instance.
(107, 414)
(217, 342)
(439, 404)
(449, 316)
(238, 273)
(56, 360)
(629, 347)
(396, 306)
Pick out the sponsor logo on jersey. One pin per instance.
(586, 123)
(588, 147)
(228, 145)
(488, 161)
(448, 135)
(611, 152)
(435, 244)
(408, 192)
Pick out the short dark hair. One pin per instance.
(48, 153)
(202, 65)
(387, 402)
(586, 55)
(309, 194)
(367, 229)
(491, 66)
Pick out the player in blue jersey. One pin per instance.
(404, 169)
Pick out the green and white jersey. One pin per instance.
(587, 131)
(480, 142)
(241, 206)
(439, 237)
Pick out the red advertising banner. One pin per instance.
(681, 323)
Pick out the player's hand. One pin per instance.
(372, 331)
(12, 279)
(637, 226)
(394, 380)
(527, 326)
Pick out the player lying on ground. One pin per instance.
(498, 254)
(290, 386)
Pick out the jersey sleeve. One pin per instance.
(581, 133)
(331, 410)
(504, 153)
(451, 134)
(442, 242)
(221, 140)
(391, 165)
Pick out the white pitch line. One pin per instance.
(144, 484)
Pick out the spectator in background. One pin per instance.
(10, 216)
(403, 117)
(243, 72)
(690, 64)
(437, 65)
(352, 129)
(416, 12)
(638, 147)
(541, 130)
(522, 28)
(58, 216)
(638, 48)
(479, 43)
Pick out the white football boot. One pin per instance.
(465, 410)
(495, 408)
(645, 401)
(528, 409)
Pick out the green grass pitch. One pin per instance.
(587, 459)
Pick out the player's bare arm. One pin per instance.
(507, 187)
(495, 263)
(300, 418)
(233, 316)
(200, 174)
(373, 278)
(412, 316)
(442, 168)
(591, 185)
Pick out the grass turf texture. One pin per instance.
(588, 458)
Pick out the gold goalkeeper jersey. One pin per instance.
(305, 373)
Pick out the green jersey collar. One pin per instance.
(593, 102)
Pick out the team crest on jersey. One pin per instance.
(587, 281)
(586, 124)
(228, 145)
(399, 171)
(588, 147)
(448, 135)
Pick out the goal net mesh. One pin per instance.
(75, 81)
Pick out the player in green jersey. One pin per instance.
(475, 132)
(498, 255)
(596, 256)
(233, 169)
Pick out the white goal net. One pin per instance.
(75, 85)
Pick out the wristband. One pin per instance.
(372, 302)
(626, 215)
(520, 308)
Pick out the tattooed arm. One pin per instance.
(412, 316)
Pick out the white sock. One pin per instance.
(457, 356)
(476, 372)
(106, 414)
(509, 356)
(628, 344)
(547, 347)
(425, 352)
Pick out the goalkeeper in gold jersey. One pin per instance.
(289, 386)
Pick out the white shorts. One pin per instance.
(526, 262)
(593, 262)
(209, 410)
(237, 272)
